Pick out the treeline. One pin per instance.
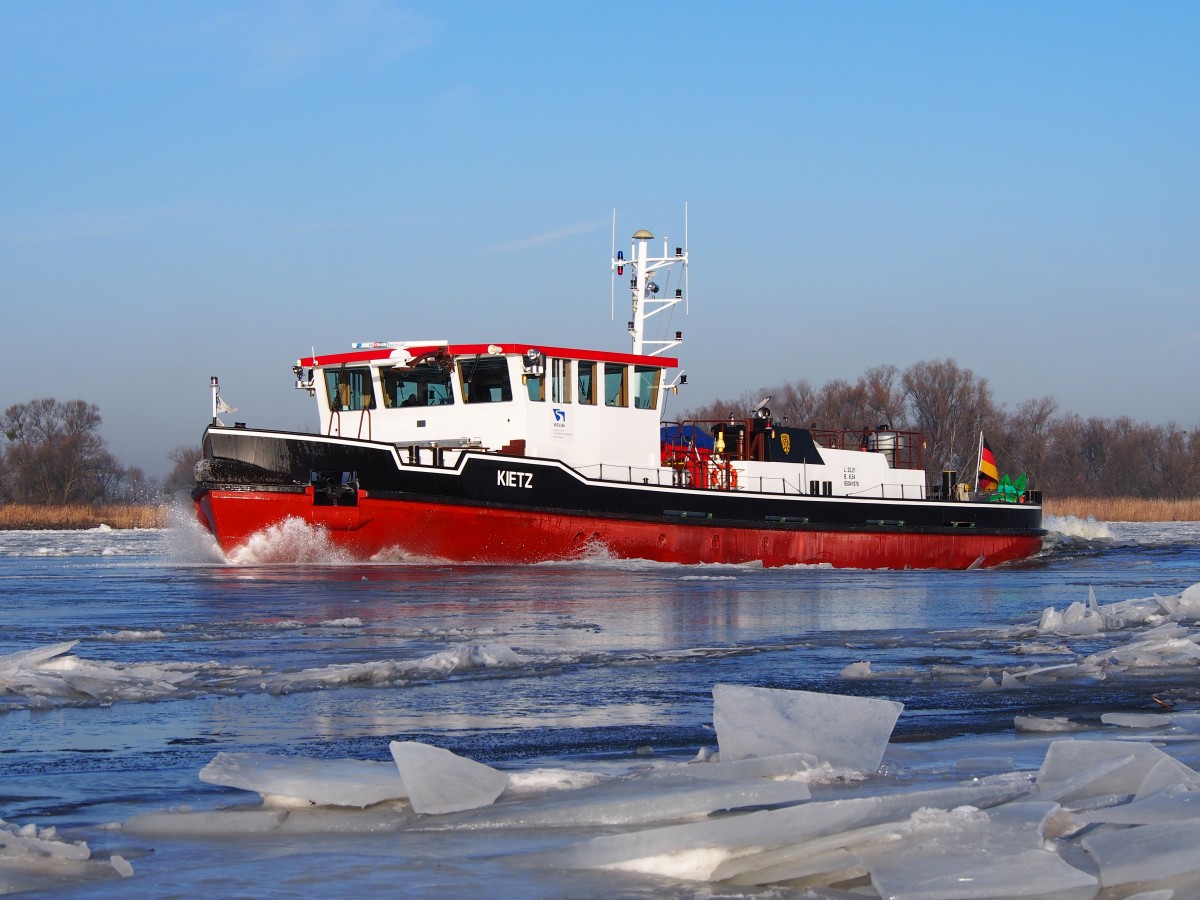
(53, 454)
(1062, 453)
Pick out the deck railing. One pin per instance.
(747, 439)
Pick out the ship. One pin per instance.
(510, 453)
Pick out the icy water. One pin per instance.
(579, 679)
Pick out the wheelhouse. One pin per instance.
(581, 406)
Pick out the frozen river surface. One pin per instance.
(1047, 746)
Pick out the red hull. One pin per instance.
(460, 533)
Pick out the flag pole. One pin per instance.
(979, 462)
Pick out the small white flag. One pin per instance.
(223, 407)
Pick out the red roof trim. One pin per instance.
(665, 362)
(337, 359)
(366, 356)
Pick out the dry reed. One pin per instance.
(37, 517)
(1124, 509)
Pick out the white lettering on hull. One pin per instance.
(508, 478)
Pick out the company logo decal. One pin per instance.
(786, 441)
(560, 415)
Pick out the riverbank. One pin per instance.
(29, 517)
(1124, 509)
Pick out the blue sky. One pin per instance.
(189, 189)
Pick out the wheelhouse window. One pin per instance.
(560, 380)
(616, 391)
(587, 383)
(349, 389)
(485, 379)
(645, 386)
(536, 386)
(421, 385)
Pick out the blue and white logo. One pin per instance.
(560, 416)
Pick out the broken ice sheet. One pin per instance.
(726, 847)
(1160, 851)
(11, 663)
(33, 859)
(438, 781)
(326, 782)
(1076, 619)
(1169, 805)
(29, 840)
(844, 731)
(968, 853)
(636, 800)
(1076, 770)
(796, 766)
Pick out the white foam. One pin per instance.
(289, 542)
(1073, 526)
(858, 670)
(1039, 724)
(131, 635)
(546, 780)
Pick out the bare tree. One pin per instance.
(796, 402)
(950, 406)
(1064, 455)
(54, 453)
(180, 479)
(875, 399)
(1181, 462)
(723, 409)
(1027, 439)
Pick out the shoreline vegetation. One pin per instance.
(1124, 509)
(35, 517)
(79, 516)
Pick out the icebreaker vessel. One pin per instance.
(515, 452)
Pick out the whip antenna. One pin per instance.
(612, 273)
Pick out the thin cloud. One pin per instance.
(284, 40)
(548, 237)
(325, 226)
(1183, 339)
(88, 225)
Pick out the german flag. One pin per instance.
(989, 476)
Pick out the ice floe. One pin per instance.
(33, 859)
(52, 675)
(1096, 814)
(844, 731)
(290, 781)
(438, 781)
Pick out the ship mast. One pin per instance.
(645, 290)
